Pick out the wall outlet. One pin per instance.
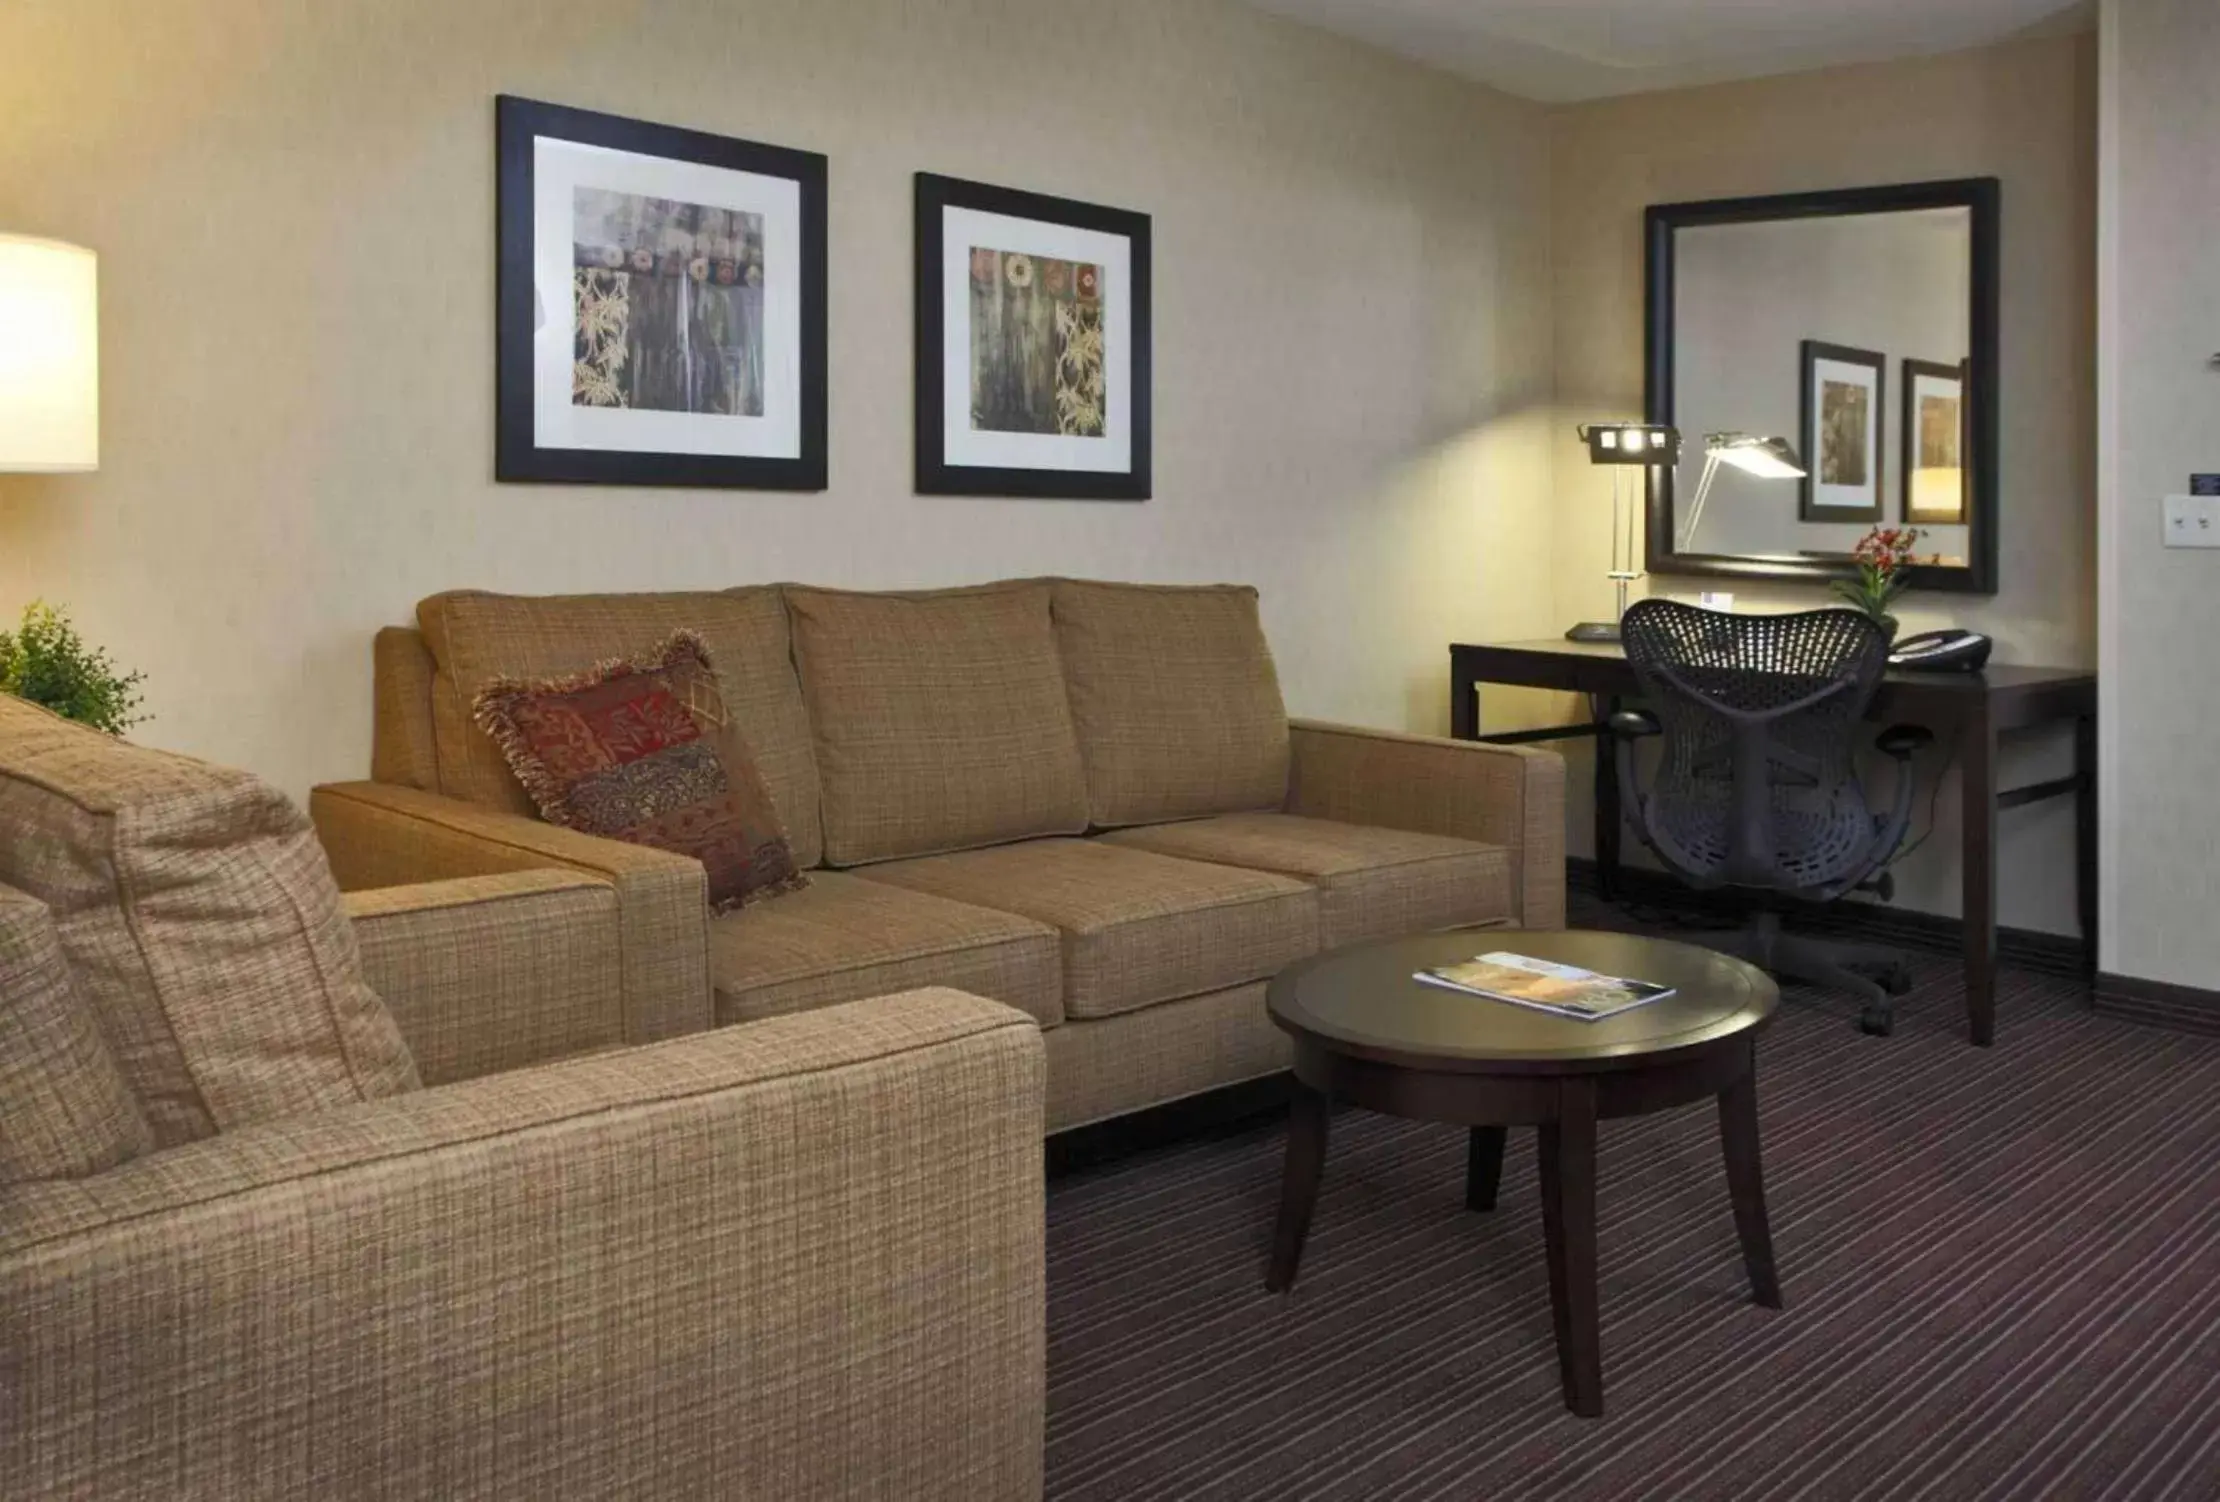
(2193, 521)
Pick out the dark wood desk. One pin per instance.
(1978, 709)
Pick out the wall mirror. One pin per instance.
(1848, 335)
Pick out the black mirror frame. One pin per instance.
(1983, 196)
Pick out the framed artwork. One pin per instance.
(1843, 389)
(1935, 473)
(660, 305)
(1033, 345)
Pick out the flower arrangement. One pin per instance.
(45, 661)
(1884, 558)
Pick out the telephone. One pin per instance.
(1948, 651)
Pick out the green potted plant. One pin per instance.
(1884, 559)
(45, 661)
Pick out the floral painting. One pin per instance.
(1036, 345)
(667, 305)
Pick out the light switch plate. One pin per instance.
(2193, 521)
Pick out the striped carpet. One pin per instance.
(2002, 1270)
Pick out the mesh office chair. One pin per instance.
(1757, 785)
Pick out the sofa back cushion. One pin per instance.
(64, 1110)
(940, 719)
(1175, 698)
(203, 926)
(478, 638)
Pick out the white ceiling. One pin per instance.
(1564, 50)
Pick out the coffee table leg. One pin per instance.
(1306, 1163)
(1738, 1135)
(1568, 1154)
(1483, 1167)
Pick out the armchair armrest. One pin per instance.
(1512, 796)
(490, 973)
(378, 835)
(800, 1258)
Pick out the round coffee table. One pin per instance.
(1367, 1034)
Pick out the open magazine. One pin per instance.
(1544, 985)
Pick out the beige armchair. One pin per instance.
(796, 1259)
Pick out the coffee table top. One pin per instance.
(1362, 1001)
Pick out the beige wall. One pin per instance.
(2160, 607)
(2023, 112)
(293, 204)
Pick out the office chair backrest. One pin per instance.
(1758, 784)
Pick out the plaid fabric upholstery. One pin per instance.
(476, 638)
(202, 925)
(940, 719)
(1138, 928)
(845, 938)
(1175, 698)
(1112, 1065)
(1372, 883)
(64, 1110)
(486, 973)
(380, 836)
(799, 1259)
(1510, 796)
(403, 750)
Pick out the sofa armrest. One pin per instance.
(378, 835)
(489, 973)
(1513, 796)
(800, 1258)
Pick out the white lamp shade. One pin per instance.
(49, 355)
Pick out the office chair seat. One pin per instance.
(1756, 784)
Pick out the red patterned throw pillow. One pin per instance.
(643, 751)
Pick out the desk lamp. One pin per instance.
(49, 356)
(1624, 446)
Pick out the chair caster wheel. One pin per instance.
(1876, 1022)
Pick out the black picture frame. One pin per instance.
(1909, 440)
(935, 475)
(1983, 198)
(517, 456)
(1809, 354)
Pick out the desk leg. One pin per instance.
(1608, 818)
(1464, 705)
(2085, 832)
(1978, 862)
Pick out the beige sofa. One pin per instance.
(1082, 799)
(266, 1235)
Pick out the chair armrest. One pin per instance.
(1513, 796)
(489, 973)
(378, 835)
(800, 1258)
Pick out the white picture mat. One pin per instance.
(1863, 496)
(559, 169)
(961, 444)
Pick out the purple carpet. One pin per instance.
(2002, 1270)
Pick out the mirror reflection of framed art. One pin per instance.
(1843, 393)
(1934, 438)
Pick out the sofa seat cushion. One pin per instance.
(1372, 883)
(476, 637)
(1175, 698)
(1138, 928)
(940, 719)
(843, 938)
(203, 927)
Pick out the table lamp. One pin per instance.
(1624, 446)
(49, 356)
(1767, 458)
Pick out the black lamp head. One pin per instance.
(1646, 443)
